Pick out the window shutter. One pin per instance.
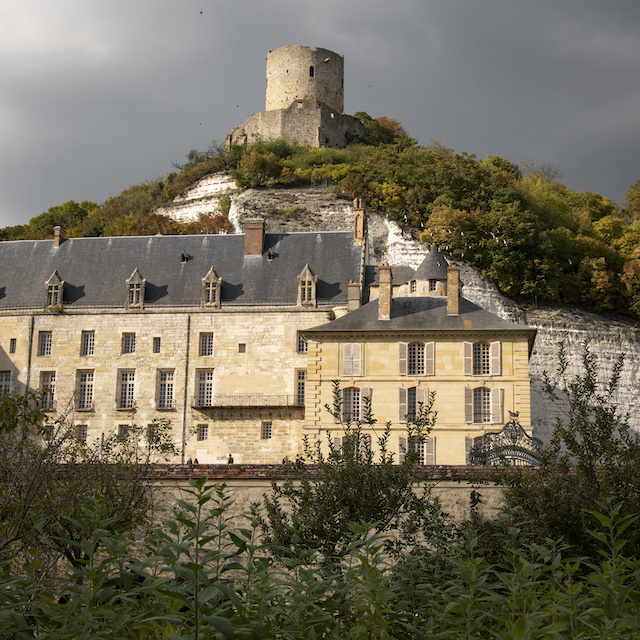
(347, 359)
(468, 358)
(402, 358)
(496, 359)
(365, 392)
(468, 443)
(337, 443)
(356, 362)
(430, 450)
(430, 359)
(468, 404)
(402, 449)
(496, 405)
(402, 404)
(421, 395)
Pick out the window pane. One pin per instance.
(481, 359)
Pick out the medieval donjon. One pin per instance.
(304, 101)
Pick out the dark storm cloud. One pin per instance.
(102, 95)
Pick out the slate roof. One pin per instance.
(420, 314)
(433, 267)
(95, 270)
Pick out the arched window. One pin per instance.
(311, 71)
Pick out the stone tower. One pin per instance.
(304, 101)
(301, 73)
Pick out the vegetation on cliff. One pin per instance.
(538, 239)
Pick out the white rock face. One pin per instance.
(318, 209)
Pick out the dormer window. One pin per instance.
(307, 287)
(54, 287)
(211, 285)
(135, 285)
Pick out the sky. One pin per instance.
(99, 95)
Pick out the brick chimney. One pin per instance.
(253, 236)
(453, 291)
(58, 236)
(384, 297)
(358, 222)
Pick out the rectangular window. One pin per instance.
(81, 433)
(5, 381)
(351, 403)
(481, 359)
(165, 395)
(267, 430)
(151, 432)
(85, 391)
(126, 393)
(206, 344)
(205, 388)
(414, 286)
(123, 430)
(53, 295)
(128, 343)
(203, 432)
(481, 405)
(135, 295)
(210, 293)
(242, 348)
(302, 344)
(156, 345)
(301, 380)
(44, 343)
(12, 345)
(88, 342)
(47, 389)
(433, 285)
(415, 361)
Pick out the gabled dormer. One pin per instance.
(135, 290)
(54, 287)
(211, 287)
(307, 281)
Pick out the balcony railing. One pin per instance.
(245, 400)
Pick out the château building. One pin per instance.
(236, 339)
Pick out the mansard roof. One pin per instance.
(415, 314)
(95, 270)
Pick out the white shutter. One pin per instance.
(402, 449)
(496, 359)
(347, 359)
(430, 358)
(468, 358)
(430, 450)
(337, 443)
(402, 404)
(468, 404)
(496, 406)
(356, 360)
(468, 443)
(421, 397)
(402, 358)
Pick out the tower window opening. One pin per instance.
(311, 72)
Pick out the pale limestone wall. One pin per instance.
(454, 496)
(380, 373)
(263, 373)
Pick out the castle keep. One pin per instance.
(304, 101)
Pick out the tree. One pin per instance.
(594, 455)
(47, 477)
(350, 484)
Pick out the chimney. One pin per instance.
(453, 291)
(384, 297)
(253, 236)
(58, 236)
(353, 296)
(358, 222)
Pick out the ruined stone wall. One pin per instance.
(295, 72)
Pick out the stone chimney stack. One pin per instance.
(353, 296)
(58, 236)
(253, 236)
(453, 291)
(384, 297)
(358, 222)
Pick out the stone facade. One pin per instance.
(304, 101)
